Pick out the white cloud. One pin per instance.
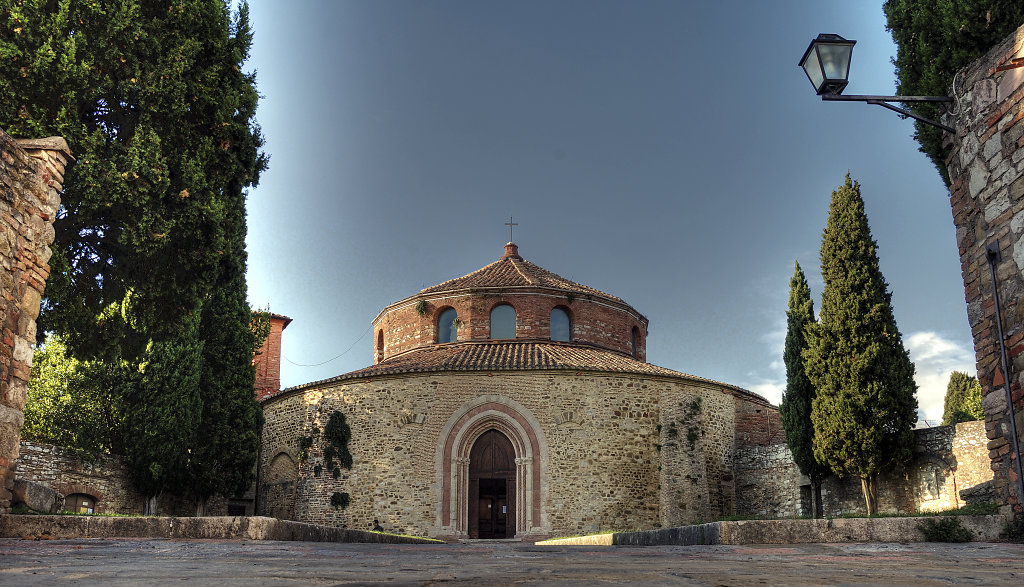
(934, 359)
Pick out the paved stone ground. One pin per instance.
(224, 563)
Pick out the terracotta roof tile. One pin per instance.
(515, 272)
(515, 356)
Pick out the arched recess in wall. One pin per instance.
(380, 345)
(278, 488)
(503, 322)
(471, 421)
(634, 342)
(447, 326)
(561, 324)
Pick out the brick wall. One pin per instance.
(31, 174)
(594, 320)
(948, 460)
(987, 197)
(268, 360)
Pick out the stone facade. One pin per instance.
(986, 168)
(615, 451)
(31, 174)
(951, 469)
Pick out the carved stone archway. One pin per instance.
(466, 425)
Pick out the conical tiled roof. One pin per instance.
(513, 271)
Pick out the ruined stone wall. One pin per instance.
(600, 467)
(948, 460)
(31, 174)
(986, 168)
(594, 320)
(107, 480)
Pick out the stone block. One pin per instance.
(37, 497)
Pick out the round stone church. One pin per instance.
(508, 403)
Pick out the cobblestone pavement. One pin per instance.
(223, 563)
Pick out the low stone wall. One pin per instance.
(224, 528)
(951, 468)
(902, 530)
(107, 480)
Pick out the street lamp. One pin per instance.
(827, 65)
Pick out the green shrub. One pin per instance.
(945, 529)
(340, 500)
(1014, 530)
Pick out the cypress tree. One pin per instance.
(963, 399)
(865, 407)
(162, 414)
(224, 458)
(153, 102)
(795, 408)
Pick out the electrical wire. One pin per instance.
(361, 336)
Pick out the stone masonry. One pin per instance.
(986, 168)
(31, 178)
(951, 469)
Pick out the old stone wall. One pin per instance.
(951, 469)
(594, 320)
(31, 174)
(604, 444)
(107, 480)
(986, 168)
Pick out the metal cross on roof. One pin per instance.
(510, 224)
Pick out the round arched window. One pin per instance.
(503, 322)
(634, 341)
(447, 326)
(560, 325)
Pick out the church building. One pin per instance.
(507, 403)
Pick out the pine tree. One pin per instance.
(153, 102)
(795, 408)
(934, 40)
(963, 399)
(865, 408)
(162, 414)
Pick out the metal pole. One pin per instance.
(883, 101)
(993, 255)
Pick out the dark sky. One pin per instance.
(669, 153)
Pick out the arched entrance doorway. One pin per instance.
(492, 486)
(494, 439)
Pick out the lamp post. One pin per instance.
(827, 65)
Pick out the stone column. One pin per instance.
(986, 168)
(524, 501)
(31, 178)
(460, 503)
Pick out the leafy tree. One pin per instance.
(795, 408)
(935, 40)
(69, 402)
(865, 408)
(162, 414)
(226, 449)
(153, 102)
(963, 399)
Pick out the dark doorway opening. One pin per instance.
(492, 482)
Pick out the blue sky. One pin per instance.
(669, 153)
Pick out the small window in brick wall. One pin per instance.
(447, 326)
(503, 322)
(634, 341)
(561, 326)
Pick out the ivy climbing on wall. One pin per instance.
(334, 447)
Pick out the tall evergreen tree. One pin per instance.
(865, 409)
(934, 40)
(225, 455)
(963, 399)
(795, 408)
(162, 415)
(153, 102)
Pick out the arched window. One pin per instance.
(380, 344)
(634, 342)
(561, 327)
(447, 330)
(503, 322)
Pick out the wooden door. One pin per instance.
(492, 475)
